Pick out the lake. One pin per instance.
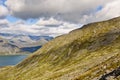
(7, 60)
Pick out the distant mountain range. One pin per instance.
(7, 48)
(21, 43)
(33, 37)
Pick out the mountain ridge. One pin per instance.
(24, 44)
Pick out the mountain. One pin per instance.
(25, 43)
(25, 40)
(8, 48)
(40, 37)
(89, 53)
(32, 37)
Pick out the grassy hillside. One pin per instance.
(87, 53)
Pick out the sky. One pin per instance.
(53, 17)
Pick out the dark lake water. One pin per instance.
(6, 60)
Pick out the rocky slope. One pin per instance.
(87, 53)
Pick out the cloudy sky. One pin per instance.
(53, 17)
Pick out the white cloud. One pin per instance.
(57, 17)
(17, 28)
(51, 21)
(110, 10)
(3, 11)
(42, 27)
(68, 10)
(59, 27)
(3, 21)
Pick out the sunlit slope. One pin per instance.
(7, 48)
(83, 54)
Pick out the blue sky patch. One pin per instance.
(12, 19)
(2, 2)
(99, 8)
(31, 21)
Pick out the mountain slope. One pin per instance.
(8, 48)
(11, 44)
(21, 40)
(84, 54)
(25, 41)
